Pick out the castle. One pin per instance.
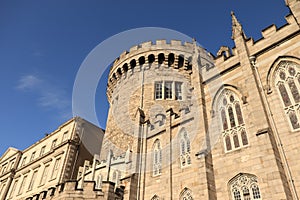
(182, 124)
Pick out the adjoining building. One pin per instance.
(184, 124)
(39, 170)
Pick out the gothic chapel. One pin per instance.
(182, 124)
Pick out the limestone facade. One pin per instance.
(184, 124)
(41, 169)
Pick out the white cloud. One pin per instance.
(49, 95)
(28, 82)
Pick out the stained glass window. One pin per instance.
(228, 143)
(244, 138)
(288, 84)
(294, 120)
(230, 109)
(224, 120)
(236, 141)
(239, 113)
(231, 117)
(294, 90)
(284, 95)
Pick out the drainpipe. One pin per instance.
(273, 127)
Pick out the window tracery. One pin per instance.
(244, 187)
(231, 117)
(186, 194)
(287, 81)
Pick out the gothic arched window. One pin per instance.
(157, 158)
(244, 187)
(186, 194)
(185, 149)
(231, 117)
(287, 81)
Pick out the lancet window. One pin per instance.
(287, 81)
(232, 121)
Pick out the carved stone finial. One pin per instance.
(237, 28)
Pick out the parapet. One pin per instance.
(175, 54)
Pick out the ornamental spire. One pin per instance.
(237, 28)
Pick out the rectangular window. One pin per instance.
(42, 150)
(56, 168)
(32, 156)
(168, 90)
(4, 169)
(158, 90)
(22, 184)
(13, 188)
(32, 180)
(12, 163)
(24, 161)
(178, 91)
(53, 143)
(45, 175)
(65, 135)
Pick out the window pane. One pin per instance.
(255, 192)
(294, 90)
(231, 117)
(284, 95)
(239, 113)
(236, 141)
(178, 91)
(188, 145)
(182, 147)
(236, 195)
(224, 120)
(244, 138)
(228, 143)
(158, 90)
(246, 193)
(294, 120)
(168, 90)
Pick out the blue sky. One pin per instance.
(43, 43)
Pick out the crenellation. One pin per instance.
(176, 42)
(176, 133)
(269, 31)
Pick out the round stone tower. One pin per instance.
(146, 82)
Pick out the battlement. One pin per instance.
(176, 55)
